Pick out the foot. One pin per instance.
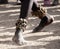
(18, 37)
(18, 41)
(20, 27)
(44, 22)
(37, 29)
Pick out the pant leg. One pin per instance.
(35, 6)
(25, 8)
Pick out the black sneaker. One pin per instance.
(44, 22)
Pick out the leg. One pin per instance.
(45, 20)
(21, 23)
(20, 27)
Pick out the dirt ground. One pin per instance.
(48, 38)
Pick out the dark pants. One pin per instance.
(3, 1)
(26, 6)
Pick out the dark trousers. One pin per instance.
(3, 1)
(26, 7)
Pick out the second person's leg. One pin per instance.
(46, 19)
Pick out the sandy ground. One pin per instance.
(48, 38)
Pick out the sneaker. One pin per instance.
(20, 27)
(44, 22)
